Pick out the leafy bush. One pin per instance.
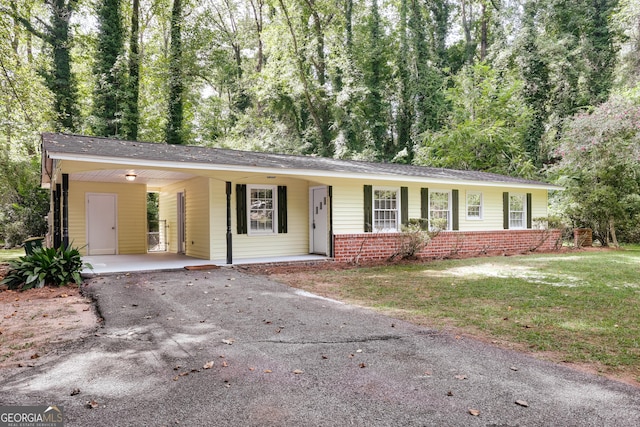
(23, 205)
(46, 266)
(415, 236)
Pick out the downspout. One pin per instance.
(331, 243)
(65, 210)
(229, 236)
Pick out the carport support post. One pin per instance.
(57, 223)
(65, 210)
(229, 249)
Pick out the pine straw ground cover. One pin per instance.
(579, 307)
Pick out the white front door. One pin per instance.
(102, 232)
(320, 221)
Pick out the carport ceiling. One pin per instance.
(150, 177)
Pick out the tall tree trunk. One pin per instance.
(62, 83)
(257, 8)
(320, 62)
(173, 134)
(403, 118)
(467, 25)
(109, 98)
(484, 33)
(612, 231)
(348, 27)
(15, 36)
(316, 103)
(374, 79)
(132, 111)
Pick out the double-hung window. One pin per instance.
(517, 210)
(474, 205)
(440, 209)
(386, 209)
(262, 202)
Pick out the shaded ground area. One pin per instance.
(226, 348)
(36, 322)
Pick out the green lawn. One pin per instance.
(579, 307)
(7, 255)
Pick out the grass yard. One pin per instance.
(7, 255)
(580, 307)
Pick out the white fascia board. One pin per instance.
(293, 172)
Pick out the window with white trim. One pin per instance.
(440, 209)
(262, 211)
(386, 209)
(517, 210)
(474, 205)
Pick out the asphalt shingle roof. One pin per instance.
(115, 148)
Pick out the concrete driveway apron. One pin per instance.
(277, 356)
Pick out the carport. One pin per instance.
(105, 264)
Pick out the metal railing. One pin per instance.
(157, 236)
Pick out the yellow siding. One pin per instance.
(132, 214)
(348, 207)
(294, 242)
(540, 202)
(492, 215)
(196, 216)
(348, 200)
(206, 212)
(218, 219)
(167, 212)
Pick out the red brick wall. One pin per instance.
(381, 246)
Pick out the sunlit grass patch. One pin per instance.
(581, 307)
(7, 255)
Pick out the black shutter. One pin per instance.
(424, 208)
(368, 205)
(528, 210)
(455, 212)
(282, 209)
(505, 210)
(241, 208)
(404, 206)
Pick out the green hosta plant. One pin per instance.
(46, 266)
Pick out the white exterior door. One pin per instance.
(102, 229)
(319, 221)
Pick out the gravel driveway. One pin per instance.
(223, 348)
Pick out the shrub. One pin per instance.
(46, 266)
(415, 236)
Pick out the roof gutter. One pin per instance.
(292, 172)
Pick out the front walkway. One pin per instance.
(104, 264)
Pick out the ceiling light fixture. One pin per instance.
(130, 177)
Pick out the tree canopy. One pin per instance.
(491, 85)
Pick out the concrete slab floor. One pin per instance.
(106, 264)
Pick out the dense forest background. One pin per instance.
(544, 89)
